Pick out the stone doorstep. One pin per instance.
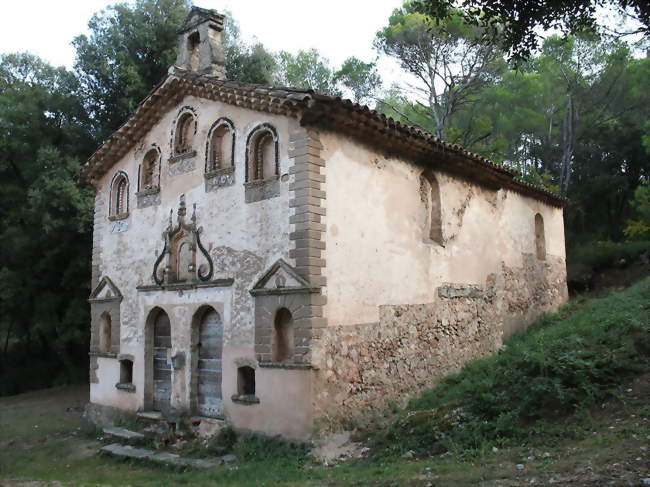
(122, 451)
(123, 433)
(150, 415)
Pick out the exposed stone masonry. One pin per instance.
(413, 346)
(98, 220)
(308, 226)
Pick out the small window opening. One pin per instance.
(540, 238)
(105, 333)
(126, 371)
(263, 157)
(220, 149)
(282, 335)
(184, 134)
(430, 196)
(246, 381)
(193, 41)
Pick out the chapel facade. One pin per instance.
(283, 261)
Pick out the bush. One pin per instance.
(258, 447)
(561, 365)
(594, 256)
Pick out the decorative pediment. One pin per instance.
(105, 290)
(177, 263)
(280, 278)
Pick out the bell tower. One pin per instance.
(199, 43)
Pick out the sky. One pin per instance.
(336, 28)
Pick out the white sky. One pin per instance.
(336, 28)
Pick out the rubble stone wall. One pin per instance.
(365, 367)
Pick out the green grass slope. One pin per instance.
(563, 364)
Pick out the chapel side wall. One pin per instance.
(404, 311)
(243, 239)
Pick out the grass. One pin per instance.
(566, 401)
(562, 365)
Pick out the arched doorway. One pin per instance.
(209, 336)
(162, 369)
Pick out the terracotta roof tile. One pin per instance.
(333, 113)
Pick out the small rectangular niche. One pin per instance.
(126, 375)
(245, 386)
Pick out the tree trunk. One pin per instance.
(567, 145)
(6, 347)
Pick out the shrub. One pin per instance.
(258, 447)
(589, 258)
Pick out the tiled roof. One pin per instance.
(312, 109)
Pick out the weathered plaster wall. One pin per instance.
(244, 239)
(378, 252)
(403, 310)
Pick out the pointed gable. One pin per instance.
(280, 278)
(105, 290)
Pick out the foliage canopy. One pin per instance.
(514, 24)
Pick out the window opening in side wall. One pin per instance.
(105, 332)
(282, 335)
(246, 381)
(430, 196)
(540, 237)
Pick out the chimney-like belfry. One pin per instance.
(199, 43)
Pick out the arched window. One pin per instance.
(105, 330)
(119, 201)
(282, 335)
(149, 171)
(262, 154)
(184, 136)
(220, 146)
(430, 196)
(540, 238)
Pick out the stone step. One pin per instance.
(207, 427)
(150, 415)
(125, 451)
(123, 433)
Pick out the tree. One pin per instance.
(449, 63)
(360, 78)
(45, 220)
(246, 63)
(128, 51)
(307, 69)
(640, 226)
(515, 23)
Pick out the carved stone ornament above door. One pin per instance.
(177, 262)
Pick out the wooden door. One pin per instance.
(162, 368)
(209, 365)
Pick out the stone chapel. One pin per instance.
(282, 261)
